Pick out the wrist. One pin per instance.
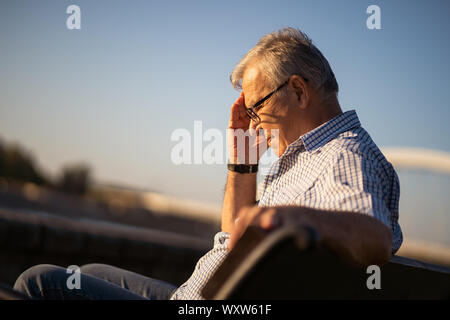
(243, 168)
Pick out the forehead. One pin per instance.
(253, 85)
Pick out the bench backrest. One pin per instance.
(288, 264)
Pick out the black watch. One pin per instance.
(243, 168)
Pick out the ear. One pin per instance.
(300, 89)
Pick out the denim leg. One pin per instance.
(152, 289)
(50, 282)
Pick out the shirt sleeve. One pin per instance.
(358, 183)
(204, 269)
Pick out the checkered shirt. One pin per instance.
(336, 166)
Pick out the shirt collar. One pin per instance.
(317, 137)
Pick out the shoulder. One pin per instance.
(355, 148)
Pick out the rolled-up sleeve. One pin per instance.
(204, 269)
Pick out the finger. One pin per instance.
(238, 108)
(243, 98)
(235, 114)
(269, 220)
(243, 111)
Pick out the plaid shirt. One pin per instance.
(336, 166)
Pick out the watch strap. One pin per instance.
(243, 168)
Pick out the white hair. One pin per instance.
(283, 53)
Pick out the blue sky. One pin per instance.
(112, 93)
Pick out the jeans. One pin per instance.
(97, 282)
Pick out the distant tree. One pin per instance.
(75, 179)
(2, 158)
(18, 164)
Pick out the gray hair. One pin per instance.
(283, 53)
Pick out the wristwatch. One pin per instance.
(243, 168)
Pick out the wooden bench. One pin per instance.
(289, 264)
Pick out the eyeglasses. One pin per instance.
(251, 112)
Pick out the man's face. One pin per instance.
(273, 111)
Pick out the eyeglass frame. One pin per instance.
(251, 112)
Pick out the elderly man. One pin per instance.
(330, 176)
